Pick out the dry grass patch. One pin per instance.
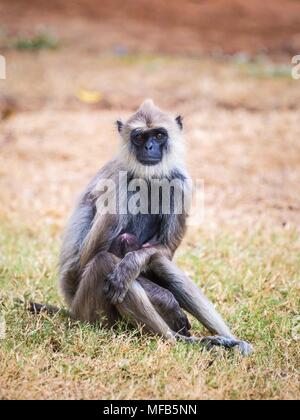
(253, 278)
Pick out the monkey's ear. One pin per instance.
(179, 120)
(119, 125)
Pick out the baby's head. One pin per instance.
(123, 244)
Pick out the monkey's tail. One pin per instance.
(38, 308)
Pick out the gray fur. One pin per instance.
(100, 287)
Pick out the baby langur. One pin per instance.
(104, 275)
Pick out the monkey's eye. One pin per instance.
(159, 136)
(137, 135)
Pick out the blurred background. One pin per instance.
(73, 67)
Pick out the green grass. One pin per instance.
(253, 277)
(39, 41)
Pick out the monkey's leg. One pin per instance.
(167, 306)
(190, 297)
(137, 307)
(90, 304)
(162, 299)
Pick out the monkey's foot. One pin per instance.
(219, 341)
(228, 343)
(245, 348)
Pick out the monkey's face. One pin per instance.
(149, 145)
(152, 142)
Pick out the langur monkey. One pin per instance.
(118, 264)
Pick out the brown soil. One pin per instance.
(185, 27)
(242, 128)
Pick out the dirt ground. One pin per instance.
(241, 112)
(183, 27)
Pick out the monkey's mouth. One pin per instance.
(149, 161)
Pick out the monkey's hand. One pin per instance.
(128, 269)
(118, 282)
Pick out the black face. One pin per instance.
(149, 145)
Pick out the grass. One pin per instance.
(39, 41)
(260, 67)
(252, 276)
(269, 70)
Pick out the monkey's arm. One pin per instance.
(129, 268)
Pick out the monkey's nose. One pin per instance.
(148, 146)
